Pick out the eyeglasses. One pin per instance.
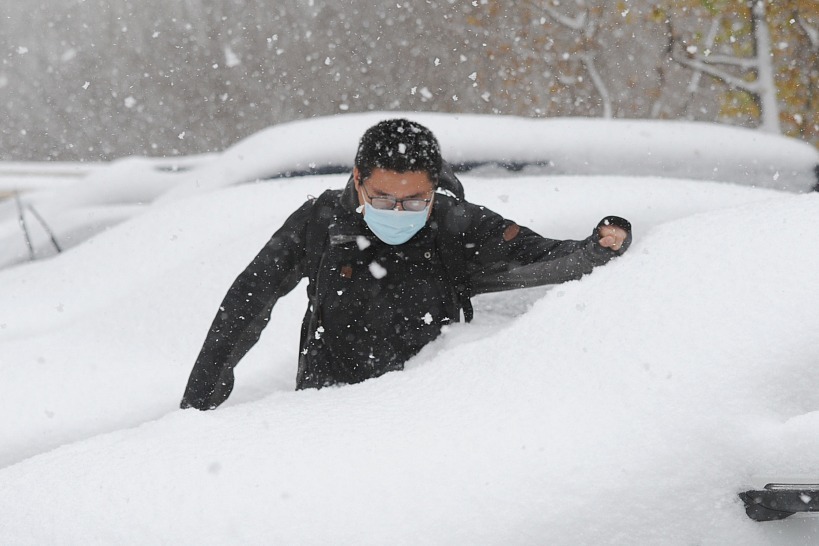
(385, 202)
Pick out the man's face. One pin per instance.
(384, 183)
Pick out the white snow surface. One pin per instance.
(629, 407)
(75, 210)
(681, 149)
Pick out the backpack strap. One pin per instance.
(451, 243)
(451, 250)
(317, 235)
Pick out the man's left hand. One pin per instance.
(611, 237)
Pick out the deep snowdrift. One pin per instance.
(104, 336)
(629, 407)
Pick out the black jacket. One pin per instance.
(372, 305)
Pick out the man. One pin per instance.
(390, 262)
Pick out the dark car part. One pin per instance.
(780, 500)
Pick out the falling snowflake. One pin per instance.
(362, 242)
(231, 59)
(377, 270)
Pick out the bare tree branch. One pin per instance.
(748, 63)
(733, 81)
(599, 84)
(587, 26)
(811, 32)
(573, 23)
(709, 43)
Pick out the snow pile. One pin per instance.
(75, 209)
(128, 310)
(626, 408)
(23, 176)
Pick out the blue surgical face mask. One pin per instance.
(394, 227)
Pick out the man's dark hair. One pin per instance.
(399, 145)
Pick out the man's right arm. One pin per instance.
(245, 311)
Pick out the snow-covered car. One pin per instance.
(479, 144)
(630, 407)
(562, 146)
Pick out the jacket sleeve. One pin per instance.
(501, 255)
(245, 311)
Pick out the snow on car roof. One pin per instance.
(674, 149)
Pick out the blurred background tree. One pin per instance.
(99, 79)
(763, 54)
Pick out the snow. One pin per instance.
(692, 150)
(78, 207)
(629, 407)
(27, 176)
(628, 148)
